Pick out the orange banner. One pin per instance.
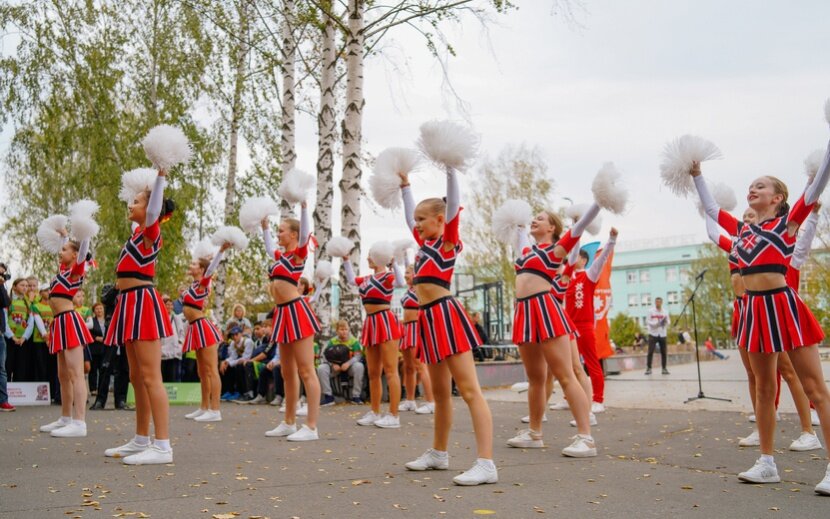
(602, 303)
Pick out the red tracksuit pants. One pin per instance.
(586, 341)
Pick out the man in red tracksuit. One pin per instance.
(579, 304)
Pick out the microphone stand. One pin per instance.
(691, 301)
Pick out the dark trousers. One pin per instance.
(267, 378)
(653, 341)
(170, 370)
(40, 366)
(234, 380)
(97, 360)
(114, 364)
(190, 371)
(20, 361)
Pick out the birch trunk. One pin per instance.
(327, 133)
(240, 63)
(351, 134)
(289, 51)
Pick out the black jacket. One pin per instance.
(5, 301)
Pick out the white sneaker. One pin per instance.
(304, 434)
(258, 400)
(823, 488)
(753, 440)
(302, 410)
(128, 449)
(369, 418)
(479, 474)
(520, 387)
(426, 408)
(388, 422)
(209, 416)
(592, 420)
(429, 460)
(761, 472)
(407, 405)
(814, 417)
(194, 414)
(526, 419)
(150, 456)
(581, 448)
(806, 442)
(71, 430)
(525, 440)
(753, 419)
(597, 407)
(57, 424)
(560, 406)
(283, 429)
(277, 401)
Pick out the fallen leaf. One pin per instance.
(359, 482)
(484, 512)
(687, 487)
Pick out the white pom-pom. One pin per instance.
(813, 162)
(609, 192)
(723, 195)
(295, 186)
(575, 212)
(166, 146)
(339, 247)
(135, 181)
(381, 252)
(254, 210)
(230, 234)
(401, 248)
(385, 182)
(83, 209)
(508, 217)
(678, 156)
(48, 233)
(448, 144)
(324, 271)
(204, 249)
(84, 227)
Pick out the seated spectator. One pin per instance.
(711, 347)
(264, 367)
(237, 319)
(342, 354)
(232, 369)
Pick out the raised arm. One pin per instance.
(83, 250)
(347, 267)
(408, 205)
(819, 183)
(318, 289)
(156, 200)
(522, 241)
(400, 279)
(214, 264)
(713, 231)
(567, 242)
(596, 267)
(805, 241)
(451, 236)
(266, 238)
(305, 225)
(729, 223)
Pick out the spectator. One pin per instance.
(78, 300)
(342, 354)
(232, 369)
(259, 371)
(96, 325)
(639, 341)
(657, 323)
(238, 319)
(478, 352)
(711, 347)
(5, 301)
(171, 347)
(115, 358)
(45, 365)
(19, 328)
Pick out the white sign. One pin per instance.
(28, 393)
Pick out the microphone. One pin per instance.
(702, 272)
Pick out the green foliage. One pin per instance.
(713, 302)
(622, 329)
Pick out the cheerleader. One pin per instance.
(68, 336)
(447, 334)
(413, 368)
(294, 324)
(774, 318)
(808, 439)
(381, 332)
(202, 335)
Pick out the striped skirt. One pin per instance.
(777, 320)
(445, 329)
(409, 336)
(139, 316)
(201, 333)
(68, 330)
(293, 321)
(380, 327)
(737, 313)
(538, 318)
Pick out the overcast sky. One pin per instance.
(750, 75)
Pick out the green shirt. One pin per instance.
(18, 316)
(45, 312)
(85, 311)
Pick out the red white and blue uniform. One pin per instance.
(730, 247)
(773, 320)
(409, 330)
(293, 320)
(376, 289)
(201, 332)
(445, 328)
(68, 329)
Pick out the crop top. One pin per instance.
(197, 293)
(410, 300)
(376, 289)
(285, 266)
(63, 286)
(558, 288)
(137, 260)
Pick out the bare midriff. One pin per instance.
(128, 283)
(191, 314)
(60, 305)
(410, 315)
(530, 284)
(428, 292)
(764, 281)
(282, 291)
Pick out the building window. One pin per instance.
(684, 274)
(671, 275)
(632, 300)
(645, 276)
(645, 299)
(631, 277)
(672, 298)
